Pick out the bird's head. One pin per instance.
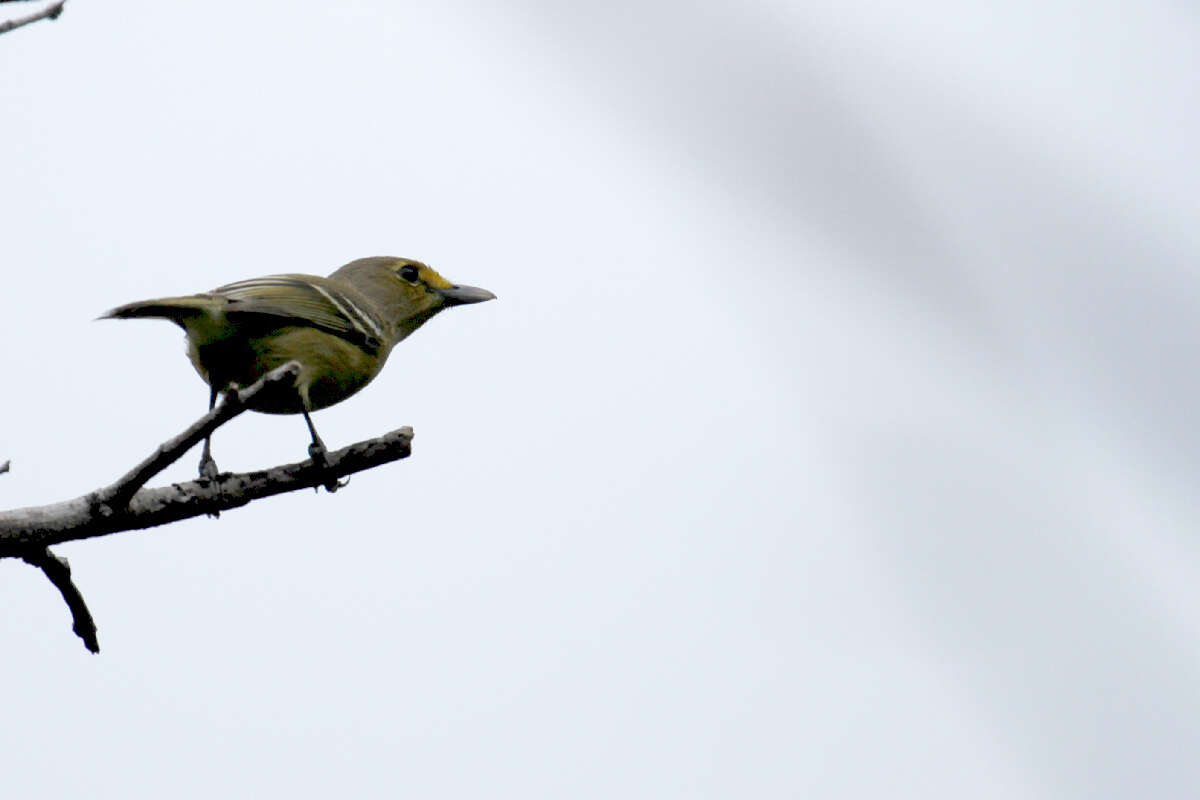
(406, 292)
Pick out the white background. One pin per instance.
(832, 435)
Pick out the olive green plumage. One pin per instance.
(340, 328)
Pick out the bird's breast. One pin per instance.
(331, 368)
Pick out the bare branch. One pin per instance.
(49, 12)
(4, 467)
(58, 570)
(27, 532)
(125, 505)
(84, 517)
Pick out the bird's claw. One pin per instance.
(209, 472)
(318, 454)
(208, 468)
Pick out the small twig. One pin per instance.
(49, 12)
(4, 467)
(58, 571)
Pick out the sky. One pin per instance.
(831, 435)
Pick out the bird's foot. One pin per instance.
(209, 472)
(319, 456)
(208, 468)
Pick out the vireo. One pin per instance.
(339, 328)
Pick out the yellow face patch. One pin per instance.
(431, 277)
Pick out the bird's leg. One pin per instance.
(317, 452)
(208, 467)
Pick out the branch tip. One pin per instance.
(58, 571)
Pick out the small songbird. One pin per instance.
(340, 329)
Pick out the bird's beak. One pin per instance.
(461, 295)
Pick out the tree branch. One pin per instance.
(83, 517)
(58, 570)
(49, 12)
(125, 505)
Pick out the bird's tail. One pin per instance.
(172, 308)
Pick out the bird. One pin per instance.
(340, 329)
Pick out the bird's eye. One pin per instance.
(409, 273)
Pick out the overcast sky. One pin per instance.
(832, 435)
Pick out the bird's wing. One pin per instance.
(303, 300)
